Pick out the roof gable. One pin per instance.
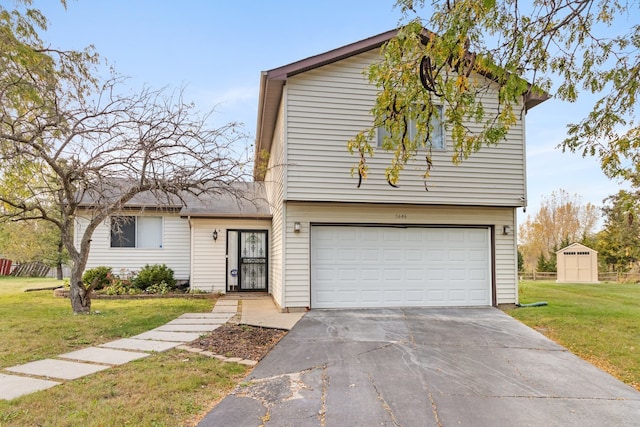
(577, 247)
(272, 83)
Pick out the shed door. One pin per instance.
(356, 266)
(578, 267)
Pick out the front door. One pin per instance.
(247, 260)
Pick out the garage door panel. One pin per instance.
(478, 295)
(434, 255)
(392, 296)
(392, 235)
(434, 235)
(414, 255)
(370, 275)
(391, 255)
(392, 275)
(414, 274)
(436, 296)
(388, 266)
(457, 274)
(456, 255)
(345, 275)
(436, 274)
(456, 236)
(478, 275)
(324, 254)
(371, 255)
(478, 255)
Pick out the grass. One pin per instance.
(164, 389)
(598, 322)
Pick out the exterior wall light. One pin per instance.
(296, 227)
(215, 235)
(506, 229)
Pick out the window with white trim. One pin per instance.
(437, 131)
(128, 231)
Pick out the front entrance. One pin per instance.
(247, 268)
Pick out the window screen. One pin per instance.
(149, 232)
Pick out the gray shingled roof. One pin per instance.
(238, 200)
(244, 200)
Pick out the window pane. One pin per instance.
(437, 131)
(380, 133)
(149, 232)
(123, 231)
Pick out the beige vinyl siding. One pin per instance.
(275, 187)
(209, 267)
(327, 106)
(297, 273)
(174, 252)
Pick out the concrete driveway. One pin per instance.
(423, 367)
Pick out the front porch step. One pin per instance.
(244, 295)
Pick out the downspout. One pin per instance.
(190, 252)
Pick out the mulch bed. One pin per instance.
(244, 341)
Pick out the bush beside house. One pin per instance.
(152, 279)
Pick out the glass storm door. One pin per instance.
(247, 261)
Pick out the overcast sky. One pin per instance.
(217, 49)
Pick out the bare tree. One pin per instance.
(68, 137)
(108, 148)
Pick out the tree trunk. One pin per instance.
(59, 263)
(80, 296)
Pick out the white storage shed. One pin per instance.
(577, 264)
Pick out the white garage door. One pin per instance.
(388, 266)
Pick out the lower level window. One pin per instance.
(128, 231)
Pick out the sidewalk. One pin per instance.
(19, 380)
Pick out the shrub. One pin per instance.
(159, 288)
(154, 275)
(101, 276)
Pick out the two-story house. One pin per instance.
(321, 242)
(336, 245)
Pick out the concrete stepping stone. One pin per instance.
(140, 344)
(189, 321)
(188, 328)
(225, 309)
(61, 369)
(221, 302)
(180, 337)
(224, 316)
(13, 386)
(105, 356)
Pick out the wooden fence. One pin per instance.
(602, 277)
(30, 269)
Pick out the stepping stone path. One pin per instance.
(30, 377)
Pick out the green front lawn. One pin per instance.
(598, 322)
(171, 388)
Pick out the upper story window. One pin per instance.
(128, 231)
(437, 131)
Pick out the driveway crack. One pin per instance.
(322, 415)
(383, 402)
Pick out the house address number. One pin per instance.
(401, 216)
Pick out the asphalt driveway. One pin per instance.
(423, 367)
